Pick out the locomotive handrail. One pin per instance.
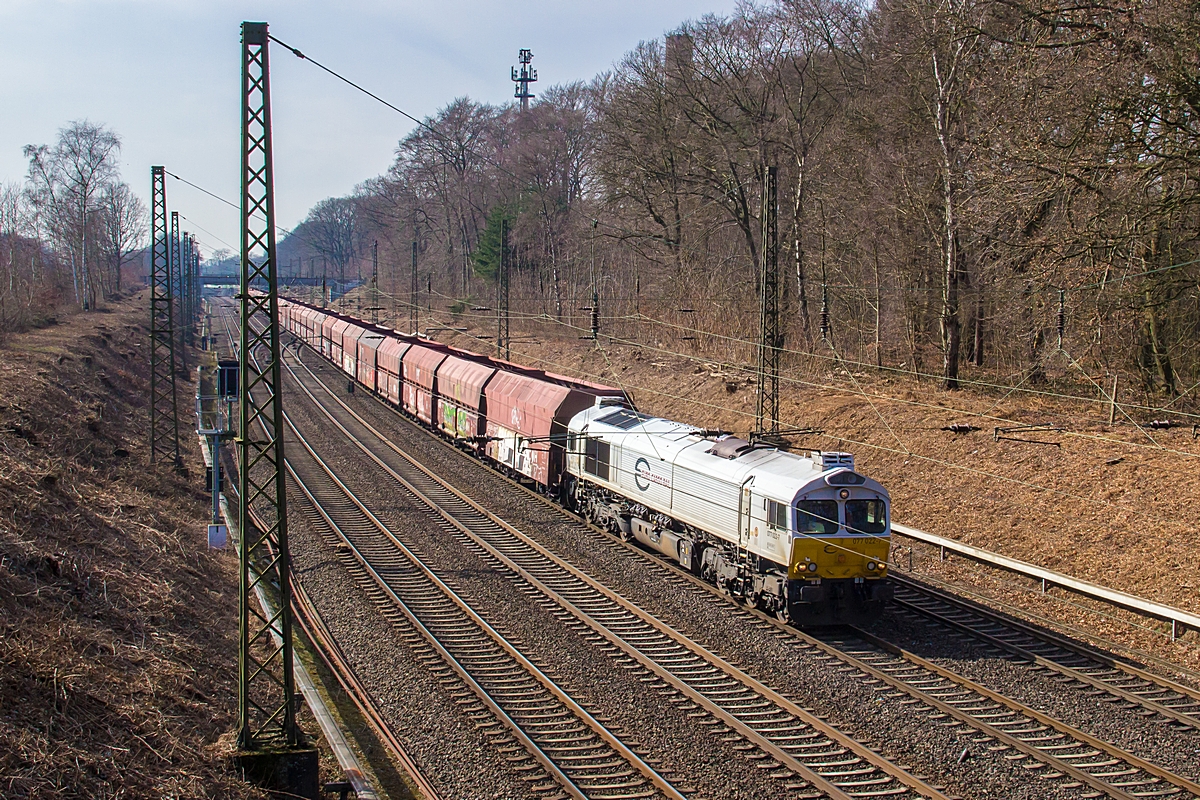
(1180, 620)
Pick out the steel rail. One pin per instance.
(573, 748)
(334, 736)
(557, 775)
(1089, 643)
(486, 631)
(335, 660)
(1167, 685)
(614, 628)
(1173, 701)
(1045, 720)
(328, 651)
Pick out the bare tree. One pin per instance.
(821, 64)
(123, 219)
(16, 224)
(332, 230)
(641, 159)
(949, 164)
(66, 182)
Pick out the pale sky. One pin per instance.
(164, 74)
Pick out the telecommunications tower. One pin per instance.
(525, 76)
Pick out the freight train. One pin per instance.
(804, 537)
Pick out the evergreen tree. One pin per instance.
(486, 258)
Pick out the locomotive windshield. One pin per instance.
(866, 516)
(818, 517)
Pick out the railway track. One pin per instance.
(578, 757)
(1043, 650)
(797, 747)
(1057, 751)
(559, 748)
(326, 648)
(335, 660)
(1061, 753)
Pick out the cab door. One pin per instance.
(745, 517)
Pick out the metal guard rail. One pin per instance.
(1180, 620)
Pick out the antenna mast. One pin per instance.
(523, 78)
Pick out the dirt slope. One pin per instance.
(118, 627)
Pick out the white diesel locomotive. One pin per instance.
(805, 538)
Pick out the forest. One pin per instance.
(999, 192)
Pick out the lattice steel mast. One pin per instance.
(196, 305)
(266, 710)
(414, 310)
(189, 288)
(375, 281)
(177, 286)
(770, 348)
(164, 410)
(185, 267)
(503, 347)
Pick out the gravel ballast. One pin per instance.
(448, 747)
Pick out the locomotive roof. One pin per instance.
(777, 473)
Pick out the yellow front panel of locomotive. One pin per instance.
(838, 556)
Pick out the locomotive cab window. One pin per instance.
(596, 458)
(818, 517)
(866, 516)
(777, 515)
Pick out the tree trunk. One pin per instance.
(977, 344)
(555, 278)
(1037, 340)
(1162, 361)
(950, 323)
(798, 217)
(878, 312)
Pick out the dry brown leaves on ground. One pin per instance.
(118, 628)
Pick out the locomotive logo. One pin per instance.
(641, 474)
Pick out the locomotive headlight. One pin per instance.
(812, 566)
(844, 493)
(871, 566)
